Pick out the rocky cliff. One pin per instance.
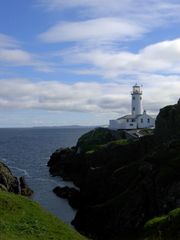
(10, 183)
(123, 185)
(168, 123)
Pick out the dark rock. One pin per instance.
(7, 180)
(25, 190)
(168, 123)
(67, 164)
(72, 194)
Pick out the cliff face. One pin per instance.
(128, 190)
(124, 185)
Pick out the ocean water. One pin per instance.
(26, 151)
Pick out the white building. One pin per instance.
(138, 118)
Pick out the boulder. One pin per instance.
(71, 194)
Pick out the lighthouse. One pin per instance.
(136, 106)
(138, 118)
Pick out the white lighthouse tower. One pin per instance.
(138, 118)
(136, 106)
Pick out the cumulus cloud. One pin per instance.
(51, 95)
(86, 97)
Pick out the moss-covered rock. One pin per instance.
(96, 137)
(164, 227)
(7, 180)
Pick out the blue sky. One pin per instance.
(65, 62)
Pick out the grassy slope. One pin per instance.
(21, 218)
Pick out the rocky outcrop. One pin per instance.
(7, 181)
(10, 183)
(25, 189)
(124, 185)
(168, 123)
(96, 137)
(68, 164)
(72, 194)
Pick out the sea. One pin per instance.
(26, 152)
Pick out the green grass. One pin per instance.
(156, 222)
(23, 219)
(102, 146)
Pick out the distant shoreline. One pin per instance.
(51, 127)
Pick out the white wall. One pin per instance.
(136, 104)
(117, 124)
(122, 124)
(143, 121)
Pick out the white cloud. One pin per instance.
(101, 29)
(12, 54)
(7, 41)
(16, 56)
(149, 13)
(161, 57)
(97, 37)
(123, 7)
(87, 97)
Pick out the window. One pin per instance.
(127, 120)
(133, 108)
(141, 120)
(133, 120)
(131, 124)
(148, 120)
(133, 97)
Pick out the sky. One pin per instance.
(74, 62)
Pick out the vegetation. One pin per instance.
(165, 227)
(98, 147)
(99, 136)
(21, 218)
